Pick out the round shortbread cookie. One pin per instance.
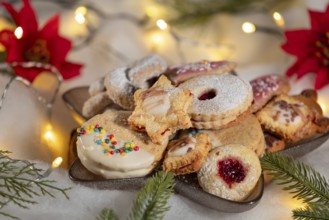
(107, 147)
(230, 172)
(221, 98)
(247, 132)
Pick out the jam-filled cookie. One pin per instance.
(108, 147)
(187, 154)
(179, 74)
(161, 110)
(266, 87)
(218, 99)
(230, 172)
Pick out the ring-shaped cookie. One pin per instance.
(221, 98)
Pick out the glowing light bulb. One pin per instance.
(248, 27)
(19, 32)
(278, 19)
(162, 24)
(80, 14)
(49, 134)
(157, 38)
(57, 162)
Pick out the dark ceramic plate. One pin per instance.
(186, 185)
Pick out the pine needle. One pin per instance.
(312, 213)
(107, 214)
(21, 182)
(151, 201)
(300, 179)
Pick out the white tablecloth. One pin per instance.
(256, 55)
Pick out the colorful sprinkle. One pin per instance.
(108, 142)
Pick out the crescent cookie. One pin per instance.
(179, 74)
(186, 154)
(119, 88)
(247, 132)
(96, 104)
(161, 110)
(218, 99)
(107, 147)
(231, 172)
(146, 69)
(266, 87)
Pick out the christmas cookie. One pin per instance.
(96, 87)
(142, 72)
(119, 88)
(218, 99)
(273, 144)
(96, 104)
(292, 117)
(187, 154)
(108, 147)
(230, 172)
(266, 87)
(247, 132)
(179, 74)
(161, 110)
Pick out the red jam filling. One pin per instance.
(208, 95)
(231, 171)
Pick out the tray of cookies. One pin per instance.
(200, 121)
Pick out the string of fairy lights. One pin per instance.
(157, 27)
(48, 134)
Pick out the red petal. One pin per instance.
(27, 20)
(58, 48)
(50, 28)
(315, 19)
(322, 78)
(11, 11)
(298, 42)
(13, 49)
(309, 65)
(69, 70)
(293, 69)
(28, 73)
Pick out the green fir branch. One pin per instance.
(21, 182)
(107, 214)
(302, 180)
(151, 201)
(312, 213)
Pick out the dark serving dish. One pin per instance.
(186, 185)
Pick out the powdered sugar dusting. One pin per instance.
(231, 91)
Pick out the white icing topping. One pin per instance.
(182, 148)
(156, 102)
(135, 163)
(285, 116)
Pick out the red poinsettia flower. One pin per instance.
(45, 45)
(311, 48)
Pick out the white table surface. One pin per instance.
(256, 55)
